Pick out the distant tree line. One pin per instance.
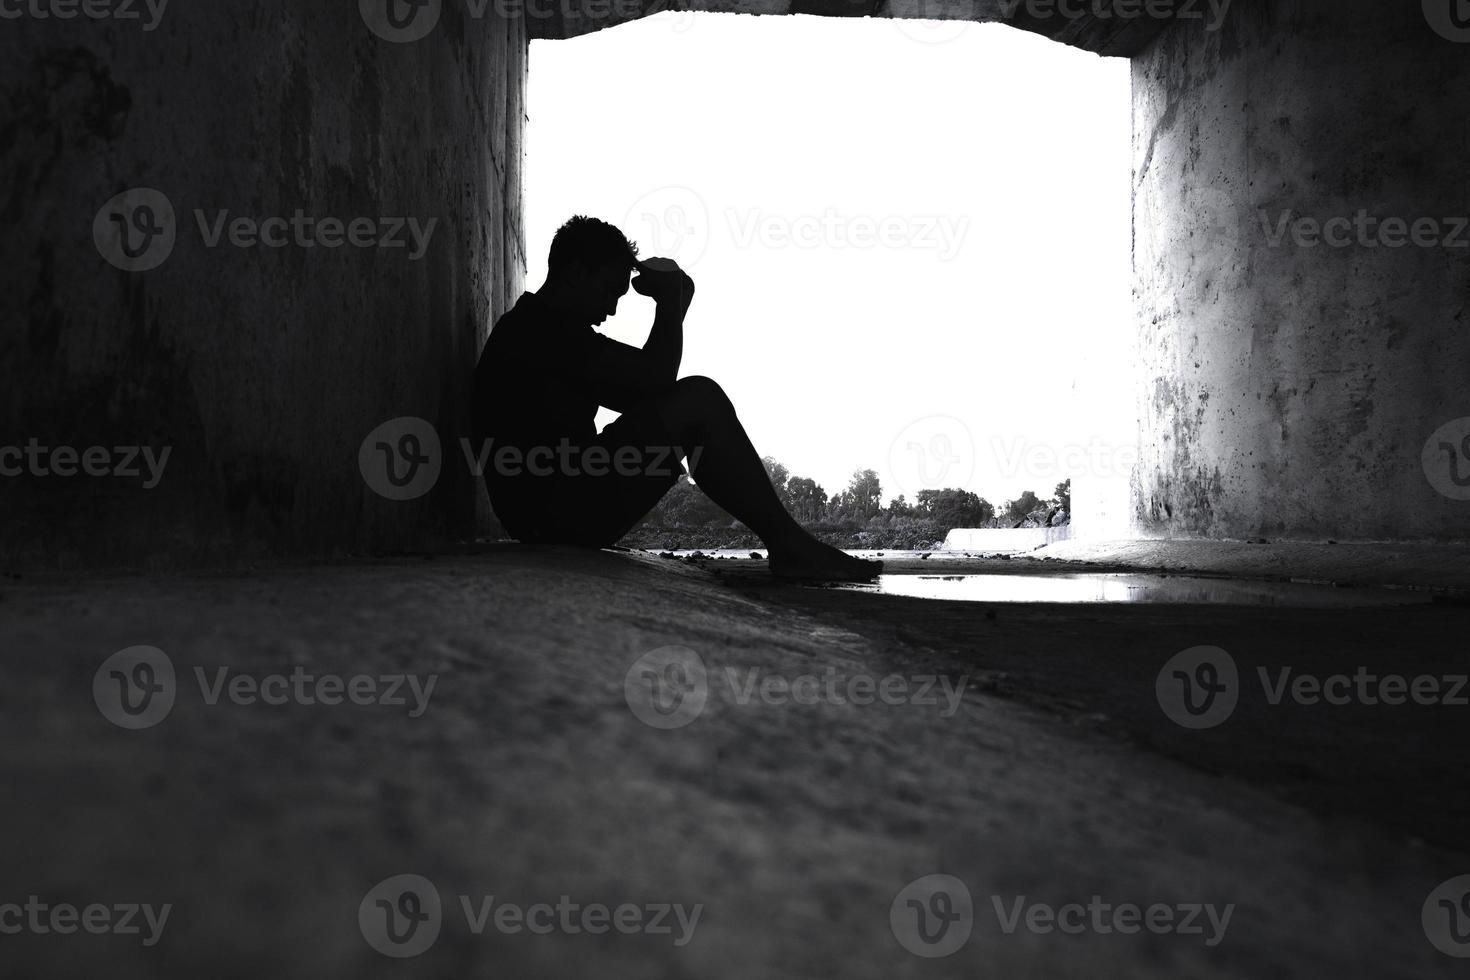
(855, 515)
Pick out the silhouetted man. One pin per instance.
(545, 371)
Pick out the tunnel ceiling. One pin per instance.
(1073, 22)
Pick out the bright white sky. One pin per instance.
(770, 156)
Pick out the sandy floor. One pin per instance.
(1022, 751)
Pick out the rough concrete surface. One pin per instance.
(528, 777)
(261, 369)
(1288, 384)
(1444, 567)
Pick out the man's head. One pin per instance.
(589, 266)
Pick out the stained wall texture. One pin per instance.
(1289, 387)
(259, 359)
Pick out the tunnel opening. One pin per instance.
(918, 300)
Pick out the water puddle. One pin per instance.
(1133, 587)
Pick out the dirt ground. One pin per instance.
(783, 828)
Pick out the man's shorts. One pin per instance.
(598, 498)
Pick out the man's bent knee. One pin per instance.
(703, 391)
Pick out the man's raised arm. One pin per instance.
(672, 290)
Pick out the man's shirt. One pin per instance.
(537, 380)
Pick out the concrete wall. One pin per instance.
(1288, 390)
(261, 369)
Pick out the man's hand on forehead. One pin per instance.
(657, 264)
(661, 279)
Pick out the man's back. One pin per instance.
(528, 386)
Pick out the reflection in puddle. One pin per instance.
(1132, 587)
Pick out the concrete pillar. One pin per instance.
(1289, 387)
(261, 368)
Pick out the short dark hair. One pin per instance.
(592, 243)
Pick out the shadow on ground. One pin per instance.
(791, 823)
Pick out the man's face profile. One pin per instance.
(599, 290)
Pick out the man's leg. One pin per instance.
(725, 464)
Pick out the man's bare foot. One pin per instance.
(812, 560)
